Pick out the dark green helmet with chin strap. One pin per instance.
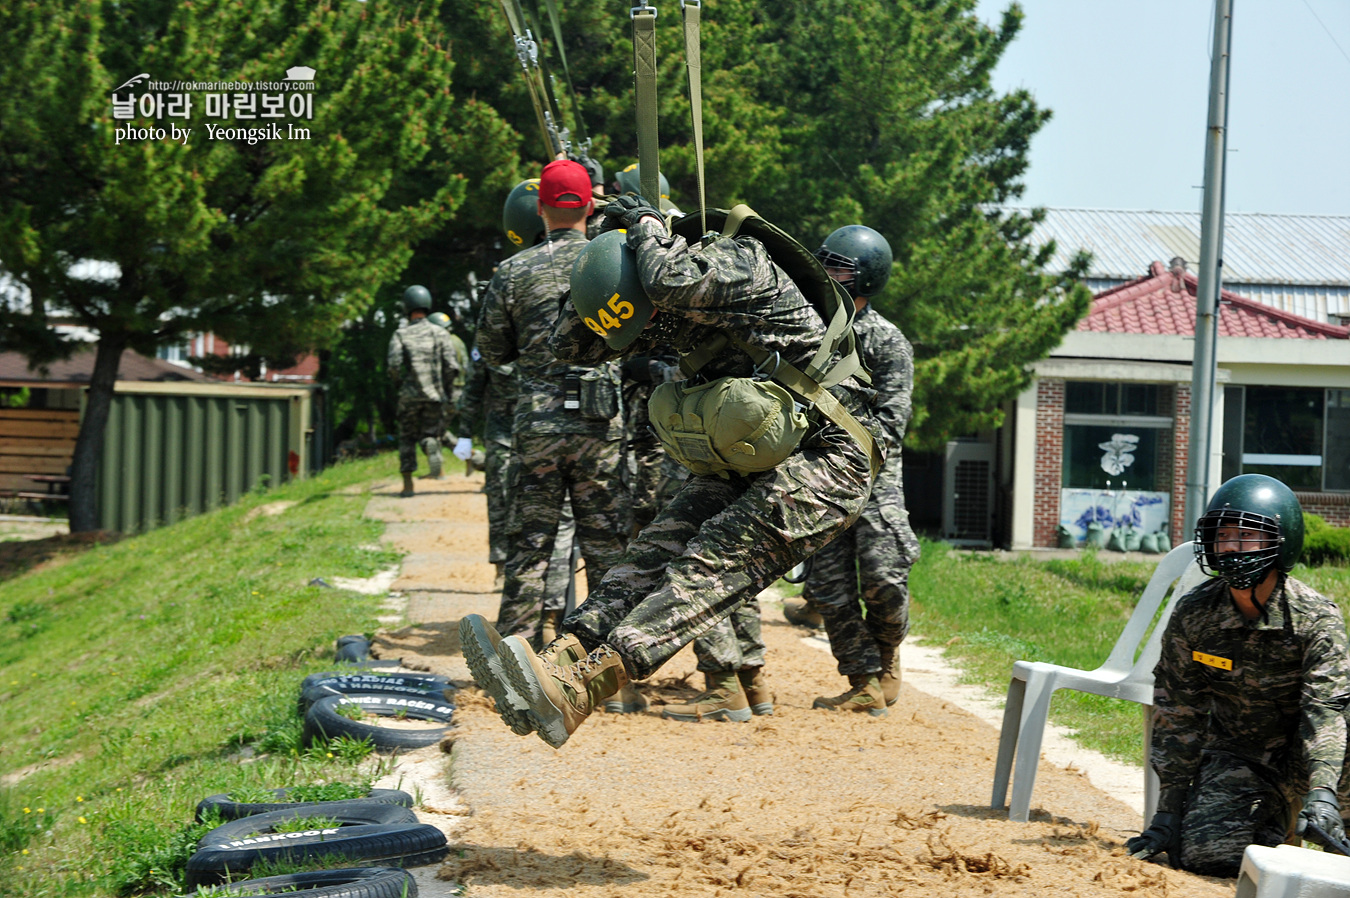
(440, 318)
(416, 297)
(1257, 503)
(630, 181)
(607, 292)
(861, 250)
(521, 221)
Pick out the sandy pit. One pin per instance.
(802, 803)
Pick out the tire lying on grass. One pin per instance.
(228, 809)
(317, 686)
(323, 720)
(394, 845)
(353, 812)
(353, 882)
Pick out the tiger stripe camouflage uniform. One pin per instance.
(1237, 750)
(719, 542)
(645, 456)
(489, 401)
(558, 451)
(423, 367)
(877, 552)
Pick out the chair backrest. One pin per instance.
(1177, 566)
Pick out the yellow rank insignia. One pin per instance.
(1212, 660)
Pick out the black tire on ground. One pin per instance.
(400, 845)
(229, 809)
(323, 721)
(345, 813)
(355, 637)
(428, 686)
(353, 882)
(352, 648)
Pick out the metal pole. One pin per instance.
(1211, 270)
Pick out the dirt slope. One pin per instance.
(803, 803)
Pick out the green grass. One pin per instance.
(989, 612)
(139, 677)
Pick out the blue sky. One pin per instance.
(1128, 81)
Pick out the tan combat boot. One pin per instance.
(479, 641)
(891, 674)
(756, 690)
(432, 448)
(864, 694)
(626, 701)
(564, 650)
(560, 698)
(548, 626)
(407, 486)
(723, 699)
(803, 613)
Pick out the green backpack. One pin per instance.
(749, 425)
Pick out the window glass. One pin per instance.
(1094, 455)
(1084, 398)
(1337, 462)
(1282, 435)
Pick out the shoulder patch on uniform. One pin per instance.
(1212, 660)
(476, 355)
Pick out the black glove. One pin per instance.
(1163, 834)
(637, 369)
(626, 212)
(1322, 812)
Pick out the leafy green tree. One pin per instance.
(821, 113)
(269, 243)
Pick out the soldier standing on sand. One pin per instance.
(866, 625)
(568, 424)
(721, 540)
(424, 367)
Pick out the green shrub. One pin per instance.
(1323, 543)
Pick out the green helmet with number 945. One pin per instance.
(607, 292)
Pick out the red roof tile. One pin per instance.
(1162, 303)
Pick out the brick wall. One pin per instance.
(1049, 460)
(1181, 444)
(1334, 508)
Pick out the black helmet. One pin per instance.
(520, 216)
(1251, 502)
(607, 292)
(630, 181)
(416, 297)
(861, 250)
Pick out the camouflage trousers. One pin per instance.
(734, 642)
(646, 462)
(496, 486)
(418, 420)
(1232, 804)
(549, 468)
(716, 545)
(860, 582)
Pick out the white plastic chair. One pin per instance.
(1034, 682)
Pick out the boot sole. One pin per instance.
(621, 708)
(739, 716)
(763, 709)
(873, 712)
(487, 672)
(546, 717)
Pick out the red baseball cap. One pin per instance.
(564, 184)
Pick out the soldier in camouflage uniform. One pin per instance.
(423, 366)
(720, 541)
(488, 407)
(1250, 693)
(877, 552)
(568, 428)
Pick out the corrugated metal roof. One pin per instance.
(1258, 248)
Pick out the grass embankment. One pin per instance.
(990, 612)
(139, 677)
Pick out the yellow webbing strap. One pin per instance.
(644, 68)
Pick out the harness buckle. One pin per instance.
(643, 6)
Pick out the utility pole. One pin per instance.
(1211, 271)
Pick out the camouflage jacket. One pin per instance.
(520, 307)
(423, 363)
(1272, 691)
(890, 359)
(729, 285)
(488, 404)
